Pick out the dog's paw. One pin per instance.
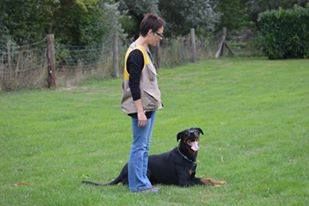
(219, 183)
(212, 182)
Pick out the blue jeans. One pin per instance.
(138, 161)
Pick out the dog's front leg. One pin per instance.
(184, 178)
(197, 181)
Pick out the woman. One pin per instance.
(141, 98)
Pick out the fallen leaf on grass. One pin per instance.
(18, 184)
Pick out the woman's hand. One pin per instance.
(142, 119)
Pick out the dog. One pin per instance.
(176, 167)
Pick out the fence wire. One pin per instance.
(23, 66)
(26, 66)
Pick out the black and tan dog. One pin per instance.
(176, 167)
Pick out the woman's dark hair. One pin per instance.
(150, 21)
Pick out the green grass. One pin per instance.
(255, 114)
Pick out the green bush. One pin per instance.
(284, 33)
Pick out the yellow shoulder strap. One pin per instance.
(145, 56)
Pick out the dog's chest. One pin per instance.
(184, 163)
(192, 169)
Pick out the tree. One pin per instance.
(4, 32)
(26, 21)
(181, 15)
(77, 22)
(257, 6)
(233, 14)
(133, 12)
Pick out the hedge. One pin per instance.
(284, 33)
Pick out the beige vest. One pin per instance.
(150, 93)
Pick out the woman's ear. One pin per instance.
(149, 32)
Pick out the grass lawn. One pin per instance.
(255, 114)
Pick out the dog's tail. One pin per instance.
(117, 180)
(94, 183)
(114, 182)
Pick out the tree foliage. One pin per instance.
(181, 15)
(133, 12)
(233, 14)
(254, 7)
(25, 21)
(86, 22)
(78, 22)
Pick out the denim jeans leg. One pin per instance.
(137, 176)
(149, 135)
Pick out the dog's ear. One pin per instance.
(182, 134)
(199, 130)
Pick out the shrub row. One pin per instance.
(284, 33)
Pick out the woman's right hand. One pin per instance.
(142, 119)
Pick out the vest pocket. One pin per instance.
(150, 102)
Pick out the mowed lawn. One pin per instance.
(254, 112)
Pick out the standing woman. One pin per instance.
(141, 98)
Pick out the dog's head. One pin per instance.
(189, 138)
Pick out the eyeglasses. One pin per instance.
(160, 35)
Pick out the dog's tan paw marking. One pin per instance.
(215, 183)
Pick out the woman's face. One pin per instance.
(156, 37)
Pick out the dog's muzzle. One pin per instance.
(194, 146)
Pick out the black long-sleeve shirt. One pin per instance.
(135, 65)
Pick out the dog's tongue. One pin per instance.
(194, 146)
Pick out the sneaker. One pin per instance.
(150, 190)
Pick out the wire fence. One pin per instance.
(27, 66)
(178, 51)
(23, 66)
(75, 63)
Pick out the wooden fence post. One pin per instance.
(8, 45)
(51, 60)
(223, 44)
(193, 52)
(115, 55)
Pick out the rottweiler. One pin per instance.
(176, 167)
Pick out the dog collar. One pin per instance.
(184, 156)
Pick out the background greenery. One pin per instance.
(87, 22)
(285, 33)
(254, 113)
